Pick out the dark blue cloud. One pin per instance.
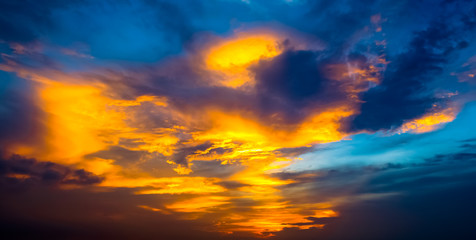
(292, 75)
(404, 92)
(292, 83)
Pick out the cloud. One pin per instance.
(292, 84)
(405, 91)
(20, 171)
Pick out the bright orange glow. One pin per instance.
(79, 121)
(232, 58)
(429, 122)
(320, 128)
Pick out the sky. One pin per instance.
(237, 119)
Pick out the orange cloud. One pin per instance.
(231, 58)
(429, 122)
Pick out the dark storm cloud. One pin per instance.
(404, 92)
(17, 171)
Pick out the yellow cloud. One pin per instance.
(429, 122)
(231, 57)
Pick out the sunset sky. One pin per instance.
(237, 119)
